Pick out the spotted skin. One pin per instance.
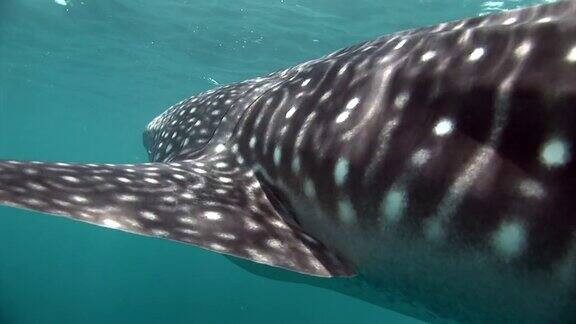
(437, 163)
(205, 202)
(445, 150)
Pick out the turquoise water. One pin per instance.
(79, 82)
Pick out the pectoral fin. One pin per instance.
(210, 203)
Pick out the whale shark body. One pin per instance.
(436, 165)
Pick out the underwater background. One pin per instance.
(79, 80)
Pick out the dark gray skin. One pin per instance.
(435, 164)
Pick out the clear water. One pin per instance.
(79, 82)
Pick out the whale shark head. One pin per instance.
(437, 163)
(188, 126)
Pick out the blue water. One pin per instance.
(78, 82)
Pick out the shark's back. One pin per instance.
(438, 161)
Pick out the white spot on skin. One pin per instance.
(317, 265)
(124, 180)
(188, 220)
(433, 229)
(290, 112)
(346, 211)
(571, 57)
(523, 49)
(179, 177)
(532, 188)
(212, 215)
(257, 256)
(111, 223)
(151, 180)
(421, 157)
(217, 247)
(79, 199)
(198, 170)
(509, 239)
(252, 142)
(70, 179)
(274, 243)
(220, 148)
(61, 203)
(279, 224)
(221, 165)
(306, 82)
(544, 20)
(251, 225)
(309, 190)
(296, 165)
(36, 186)
(159, 232)
(400, 44)
(169, 199)
(554, 153)
(401, 100)
(428, 56)
(225, 179)
(326, 95)
(341, 171)
(34, 202)
(443, 127)
(85, 215)
(393, 205)
(352, 103)
(226, 236)
(61, 2)
(277, 155)
(460, 25)
(148, 215)
(128, 198)
(509, 21)
(342, 117)
(30, 171)
(476, 54)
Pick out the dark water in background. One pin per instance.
(78, 83)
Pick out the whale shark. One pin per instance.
(430, 171)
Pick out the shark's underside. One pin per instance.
(436, 163)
